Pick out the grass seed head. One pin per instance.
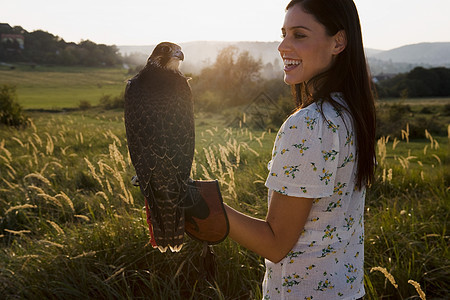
(386, 274)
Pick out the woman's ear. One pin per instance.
(340, 42)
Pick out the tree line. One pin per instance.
(419, 82)
(41, 47)
(233, 79)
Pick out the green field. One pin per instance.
(63, 87)
(73, 227)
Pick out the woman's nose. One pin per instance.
(283, 47)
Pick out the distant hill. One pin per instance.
(201, 54)
(434, 54)
(399, 60)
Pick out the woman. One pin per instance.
(322, 160)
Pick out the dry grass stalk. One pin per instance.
(11, 185)
(433, 143)
(43, 168)
(115, 154)
(67, 199)
(63, 150)
(82, 217)
(224, 152)
(205, 173)
(193, 169)
(115, 274)
(51, 243)
(20, 232)
(386, 274)
(387, 177)
(103, 195)
(18, 141)
(382, 151)
(85, 254)
(19, 207)
(51, 199)
(37, 139)
(32, 125)
(30, 142)
(6, 160)
(395, 143)
(50, 145)
(405, 133)
(405, 161)
(210, 158)
(7, 153)
(93, 173)
(438, 159)
(247, 147)
(62, 137)
(55, 226)
(229, 132)
(38, 177)
(114, 137)
(108, 186)
(12, 170)
(80, 138)
(36, 189)
(210, 132)
(55, 163)
(418, 289)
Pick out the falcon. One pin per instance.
(159, 123)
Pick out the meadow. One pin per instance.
(73, 227)
(52, 88)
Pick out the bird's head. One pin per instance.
(167, 55)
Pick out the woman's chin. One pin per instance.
(291, 80)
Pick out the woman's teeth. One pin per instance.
(290, 64)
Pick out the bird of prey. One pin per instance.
(159, 122)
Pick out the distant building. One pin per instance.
(381, 77)
(12, 42)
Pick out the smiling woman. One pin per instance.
(307, 49)
(323, 158)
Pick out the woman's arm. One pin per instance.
(274, 237)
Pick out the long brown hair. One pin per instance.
(349, 75)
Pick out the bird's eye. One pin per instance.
(165, 49)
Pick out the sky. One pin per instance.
(386, 24)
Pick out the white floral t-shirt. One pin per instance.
(315, 157)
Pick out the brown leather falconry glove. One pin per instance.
(205, 216)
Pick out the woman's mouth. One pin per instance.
(290, 64)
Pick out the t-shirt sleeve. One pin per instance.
(305, 156)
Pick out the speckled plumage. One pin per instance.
(159, 125)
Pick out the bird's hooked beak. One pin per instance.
(179, 54)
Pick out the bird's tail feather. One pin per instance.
(150, 226)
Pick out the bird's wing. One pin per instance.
(160, 132)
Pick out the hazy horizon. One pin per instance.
(386, 24)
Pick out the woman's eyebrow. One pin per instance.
(300, 26)
(296, 27)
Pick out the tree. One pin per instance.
(11, 113)
(42, 47)
(419, 82)
(234, 76)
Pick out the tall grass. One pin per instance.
(72, 226)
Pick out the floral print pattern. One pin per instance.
(318, 160)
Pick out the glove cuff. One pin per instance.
(214, 227)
